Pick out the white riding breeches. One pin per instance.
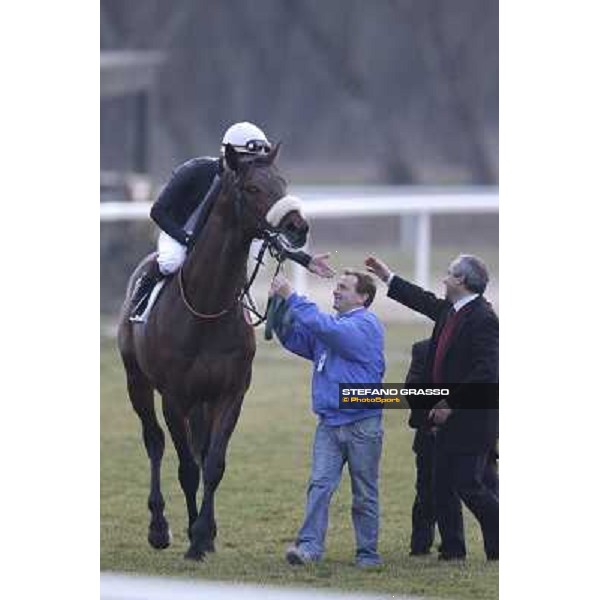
(171, 254)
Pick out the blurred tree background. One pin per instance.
(400, 92)
(384, 91)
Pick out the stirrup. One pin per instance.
(140, 313)
(138, 310)
(141, 293)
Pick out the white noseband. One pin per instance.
(282, 207)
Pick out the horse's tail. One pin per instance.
(198, 431)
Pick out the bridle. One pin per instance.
(271, 242)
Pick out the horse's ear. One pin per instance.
(231, 158)
(273, 153)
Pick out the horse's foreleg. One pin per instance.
(142, 398)
(189, 471)
(204, 530)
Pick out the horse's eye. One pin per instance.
(252, 189)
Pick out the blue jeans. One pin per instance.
(359, 444)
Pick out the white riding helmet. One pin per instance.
(246, 138)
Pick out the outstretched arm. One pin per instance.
(296, 339)
(407, 293)
(292, 335)
(315, 264)
(348, 337)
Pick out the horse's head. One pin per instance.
(262, 203)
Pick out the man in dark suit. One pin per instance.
(463, 350)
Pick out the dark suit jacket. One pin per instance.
(416, 375)
(471, 357)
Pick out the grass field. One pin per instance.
(260, 502)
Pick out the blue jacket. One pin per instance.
(343, 348)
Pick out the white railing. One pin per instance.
(330, 202)
(116, 586)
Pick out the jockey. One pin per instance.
(189, 196)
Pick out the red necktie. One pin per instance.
(442, 344)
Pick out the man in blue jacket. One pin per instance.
(345, 348)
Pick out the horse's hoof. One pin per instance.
(198, 550)
(194, 554)
(159, 538)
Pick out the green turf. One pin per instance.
(260, 502)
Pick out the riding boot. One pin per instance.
(143, 288)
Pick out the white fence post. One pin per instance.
(423, 249)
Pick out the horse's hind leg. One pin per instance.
(204, 531)
(142, 398)
(189, 471)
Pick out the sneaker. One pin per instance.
(369, 564)
(295, 556)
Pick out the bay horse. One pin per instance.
(196, 347)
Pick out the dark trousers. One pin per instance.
(461, 477)
(423, 510)
(490, 475)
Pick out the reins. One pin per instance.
(192, 309)
(275, 251)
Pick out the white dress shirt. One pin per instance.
(464, 301)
